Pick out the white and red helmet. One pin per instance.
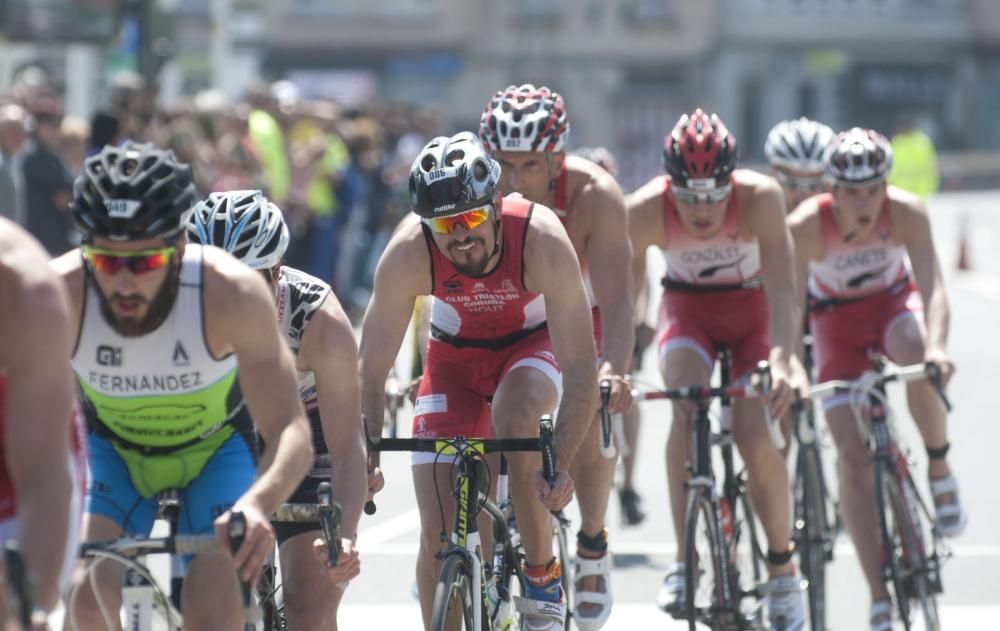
(525, 118)
(858, 156)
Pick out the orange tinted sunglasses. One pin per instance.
(468, 219)
(138, 262)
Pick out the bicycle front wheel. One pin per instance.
(812, 531)
(749, 567)
(909, 566)
(705, 574)
(453, 597)
(566, 563)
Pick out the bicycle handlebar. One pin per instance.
(607, 447)
(329, 521)
(430, 445)
(915, 372)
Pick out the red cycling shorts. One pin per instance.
(453, 393)
(705, 322)
(843, 334)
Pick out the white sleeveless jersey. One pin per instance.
(298, 296)
(163, 388)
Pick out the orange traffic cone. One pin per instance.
(963, 262)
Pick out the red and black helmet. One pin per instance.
(699, 152)
(525, 118)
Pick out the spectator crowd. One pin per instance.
(338, 174)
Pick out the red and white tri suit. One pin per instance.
(857, 293)
(713, 295)
(481, 329)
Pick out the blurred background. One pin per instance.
(323, 103)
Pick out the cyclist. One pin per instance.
(630, 500)
(724, 237)
(251, 228)
(794, 150)
(41, 466)
(854, 243)
(508, 303)
(177, 348)
(526, 129)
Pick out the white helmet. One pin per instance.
(858, 156)
(525, 118)
(244, 223)
(798, 144)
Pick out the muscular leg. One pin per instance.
(210, 599)
(767, 476)
(311, 597)
(905, 345)
(681, 366)
(83, 613)
(630, 420)
(523, 396)
(593, 475)
(857, 495)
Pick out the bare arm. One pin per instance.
(609, 257)
(402, 274)
(39, 419)
(240, 311)
(331, 353)
(552, 269)
(916, 234)
(766, 220)
(803, 224)
(645, 227)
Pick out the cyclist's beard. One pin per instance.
(156, 312)
(475, 267)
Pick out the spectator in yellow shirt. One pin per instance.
(914, 165)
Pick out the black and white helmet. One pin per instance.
(858, 156)
(451, 175)
(133, 192)
(244, 223)
(798, 144)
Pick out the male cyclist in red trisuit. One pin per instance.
(526, 128)
(509, 303)
(853, 244)
(728, 283)
(41, 465)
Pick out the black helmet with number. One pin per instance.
(133, 192)
(451, 175)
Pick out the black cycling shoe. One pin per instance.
(631, 509)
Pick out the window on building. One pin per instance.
(60, 20)
(535, 11)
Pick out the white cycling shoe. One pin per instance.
(540, 615)
(950, 518)
(672, 592)
(880, 615)
(785, 609)
(592, 567)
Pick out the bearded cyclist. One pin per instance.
(177, 349)
(526, 129)
(728, 283)
(874, 282)
(509, 320)
(794, 150)
(41, 463)
(315, 327)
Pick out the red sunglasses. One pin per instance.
(138, 262)
(468, 219)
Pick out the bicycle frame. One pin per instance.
(465, 540)
(702, 474)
